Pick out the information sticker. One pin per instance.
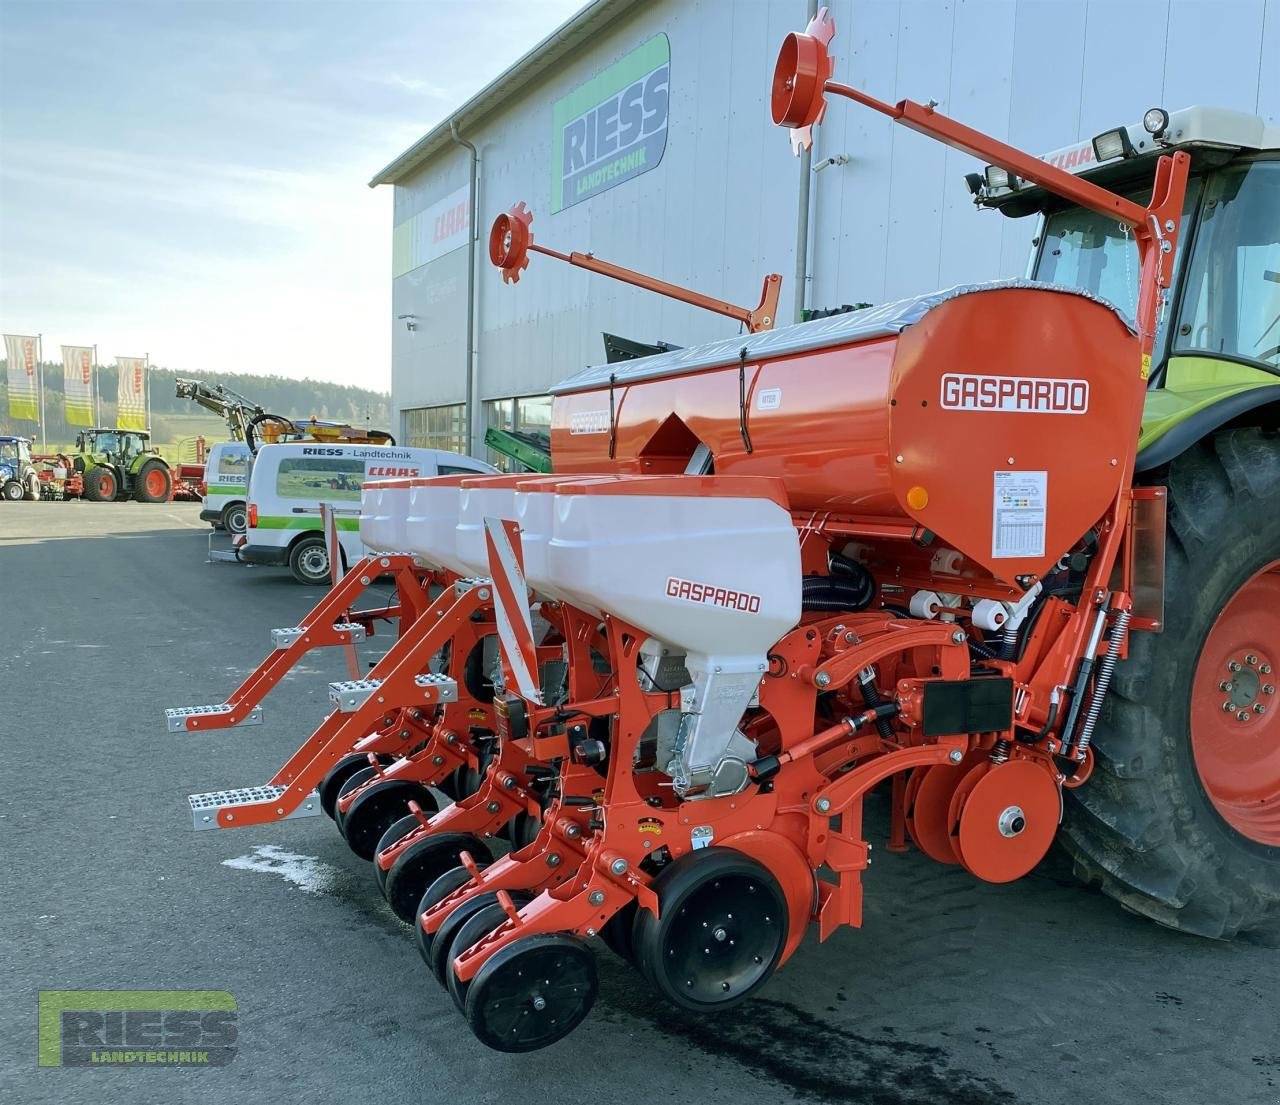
(1018, 514)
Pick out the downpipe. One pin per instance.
(471, 284)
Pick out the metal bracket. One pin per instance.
(205, 807)
(182, 719)
(350, 694)
(286, 637)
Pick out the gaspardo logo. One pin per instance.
(711, 595)
(137, 1028)
(1016, 394)
(613, 127)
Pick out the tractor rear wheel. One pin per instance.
(153, 483)
(12, 491)
(1180, 820)
(101, 485)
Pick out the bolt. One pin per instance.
(1251, 660)
(1243, 715)
(553, 859)
(1228, 707)
(720, 935)
(573, 831)
(539, 1003)
(508, 781)
(823, 679)
(404, 734)
(1225, 686)
(493, 807)
(850, 637)
(1233, 665)
(823, 805)
(1011, 460)
(437, 760)
(1259, 708)
(955, 756)
(364, 580)
(618, 867)
(898, 458)
(957, 637)
(1265, 669)
(484, 593)
(1268, 688)
(596, 897)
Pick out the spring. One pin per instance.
(1000, 752)
(1106, 668)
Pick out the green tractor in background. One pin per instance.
(121, 464)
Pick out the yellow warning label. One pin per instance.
(1146, 366)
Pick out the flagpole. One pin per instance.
(44, 433)
(97, 419)
(147, 419)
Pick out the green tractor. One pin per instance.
(1181, 820)
(121, 464)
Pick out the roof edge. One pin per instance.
(563, 40)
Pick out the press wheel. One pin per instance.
(1008, 820)
(722, 928)
(424, 861)
(436, 893)
(377, 807)
(479, 925)
(928, 819)
(532, 992)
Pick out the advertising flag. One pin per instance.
(24, 387)
(131, 400)
(77, 384)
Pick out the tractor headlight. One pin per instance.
(1156, 121)
(1112, 144)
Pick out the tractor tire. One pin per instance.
(12, 491)
(32, 492)
(235, 519)
(101, 485)
(309, 561)
(1180, 820)
(154, 483)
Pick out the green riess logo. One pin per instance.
(613, 127)
(142, 1028)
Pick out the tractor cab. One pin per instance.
(1217, 350)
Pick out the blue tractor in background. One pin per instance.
(18, 479)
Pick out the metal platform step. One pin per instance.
(177, 716)
(350, 694)
(285, 637)
(205, 807)
(462, 586)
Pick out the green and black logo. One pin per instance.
(141, 1028)
(613, 127)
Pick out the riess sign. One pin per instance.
(613, 127)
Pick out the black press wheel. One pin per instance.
(616, 932)
(424, 861)
(445, 885)
(398, 831)
(338, 774)
(722, 930)
(532, 993)
(377, 807)
(354, 781)
(479, 925)
(442, 944)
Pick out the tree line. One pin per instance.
(278, 394)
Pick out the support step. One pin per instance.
(350, 694)
(462, 586)
(285, 637)
(205, 807)
(183, 719)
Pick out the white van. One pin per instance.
(226, 481)
(287, 484)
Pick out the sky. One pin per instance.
(188, 178)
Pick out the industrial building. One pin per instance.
(640, 131)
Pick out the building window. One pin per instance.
(437, 428)
(528, 414)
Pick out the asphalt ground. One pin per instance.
(953, 991)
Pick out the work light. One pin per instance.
(1155, 121)
(1112, 144)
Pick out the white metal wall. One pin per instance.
(720, 209)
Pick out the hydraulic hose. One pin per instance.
(848, 587)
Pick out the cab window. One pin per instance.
(331, 479)
(1231, 304)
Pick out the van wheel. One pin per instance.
(235, 519)
(309, 561)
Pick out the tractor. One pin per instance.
(121, 464)
(18, 479)
(1182, 819)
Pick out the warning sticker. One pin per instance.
(1018, 514)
